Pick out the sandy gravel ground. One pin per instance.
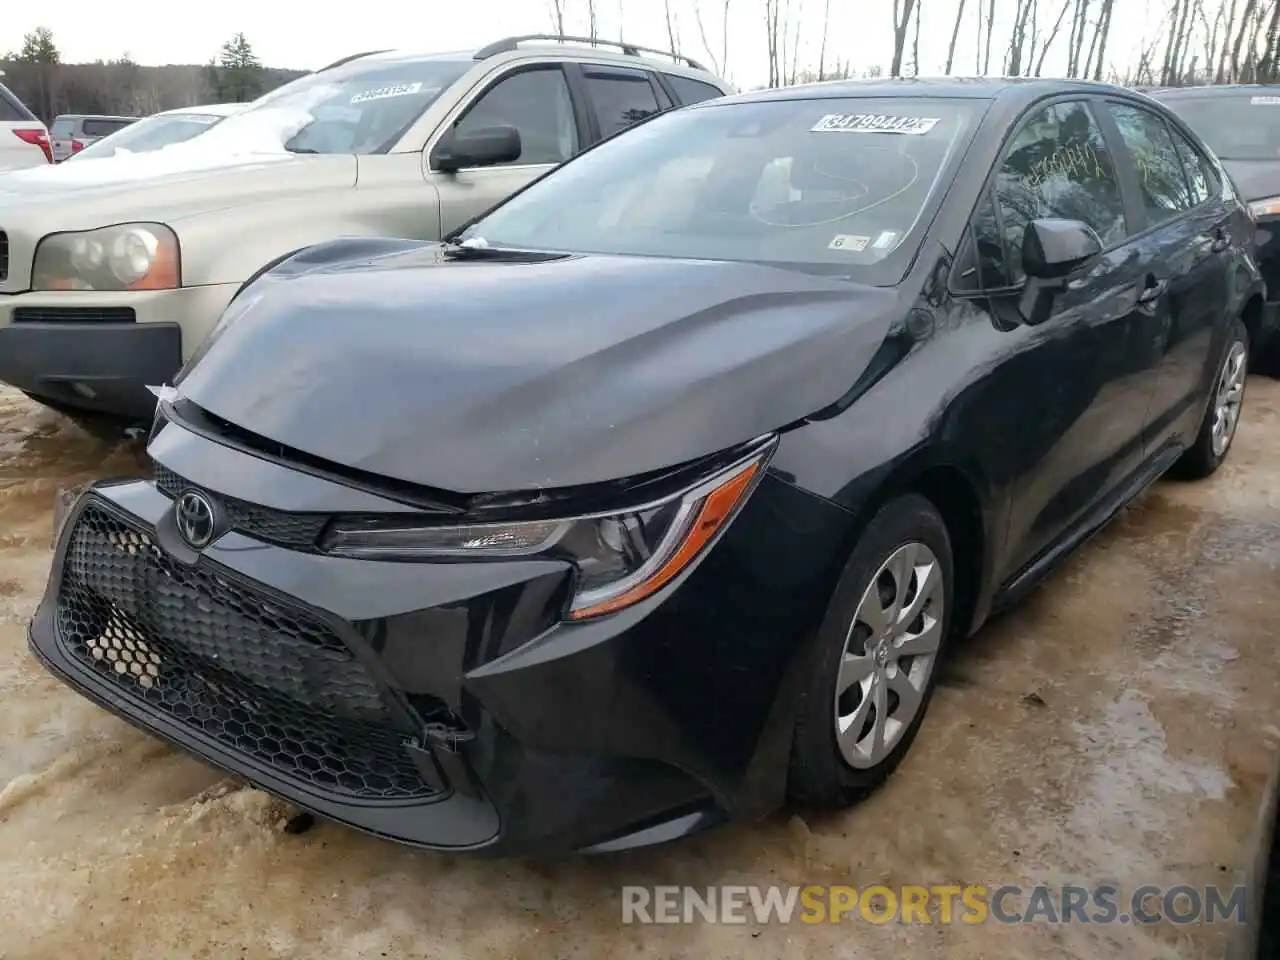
(1116, 727)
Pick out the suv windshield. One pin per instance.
(361, 107)
(152, 133)
(836, 184)
(1235, 126)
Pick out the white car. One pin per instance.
(24, 140)
(158, 131)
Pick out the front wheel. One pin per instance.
(875, 657)
(1218, 429)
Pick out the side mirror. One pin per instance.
(1051, 251)
(476, 148)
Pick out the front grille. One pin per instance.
(298, 531)
(4, 256)
(74, 315)
(258, 676)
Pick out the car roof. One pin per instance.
(91, 116)
(213, 109)
(1211, 90)
(536, 46)
(963, 88)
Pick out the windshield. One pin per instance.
(362, 107)
(1235, 127)
(62, 127)
(839, 184)
(152, 133)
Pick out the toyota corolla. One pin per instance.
(651, 498)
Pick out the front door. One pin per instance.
(534, 100)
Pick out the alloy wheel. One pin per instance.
(889, 655)
(1229, 397)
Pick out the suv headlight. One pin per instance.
(128, 256)
(620, 557)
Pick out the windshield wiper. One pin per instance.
(478, 249)
(301, 150)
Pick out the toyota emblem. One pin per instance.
(195, 519)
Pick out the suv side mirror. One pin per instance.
(1051, 251)
(476, 148)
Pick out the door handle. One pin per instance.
(1153, 291)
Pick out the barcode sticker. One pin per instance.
(873, 123)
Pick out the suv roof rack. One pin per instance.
(347, 59)
(630, 49)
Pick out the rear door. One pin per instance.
(1076, 388)
(536, 100)
(1190, 229)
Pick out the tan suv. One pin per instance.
(112, 272)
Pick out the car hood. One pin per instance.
(159, 185)
(496, 376)
(1255, 179)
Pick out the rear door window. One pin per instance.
(1201, 180)
(620, 97)
(689, 91)
(1161, 176)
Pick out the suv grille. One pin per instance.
(299, 531)
(260, 677)
(4, 256)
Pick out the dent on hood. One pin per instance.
(486, 377)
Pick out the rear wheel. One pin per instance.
(1218, 429)
(875, 656)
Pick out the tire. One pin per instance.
(823, 773)
(1207, 452)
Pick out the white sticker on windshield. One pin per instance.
(873, 123)
(383, 93)
(1268, 101)
(885, 240)
(848, 241)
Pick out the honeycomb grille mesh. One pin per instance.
(265, 680)
(298, 531)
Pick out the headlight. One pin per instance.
(620, 557)
(1264, 208)
(129, 256)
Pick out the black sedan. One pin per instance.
(1241, 124)
(652, 498)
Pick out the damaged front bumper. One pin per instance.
(441, 705)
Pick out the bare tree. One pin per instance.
(902, 10)
(1017, 40)
(915, 42)
(793, 67)
(1246, 19)
(1267, 66)
(556, 9)
(673, 28)
(1224, 52)
(991, 29)
(771, 17)
(1053, 35)
(1102, 33)
(822, 46)
(719, 64)
(955, 35)
(593, 25)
